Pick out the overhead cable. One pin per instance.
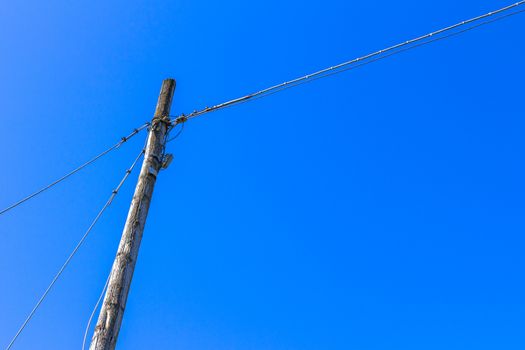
(86, 332)
(101, 296)
(360, 61)
(72, 254)
(179, 132)
(115, 146)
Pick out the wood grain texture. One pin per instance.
(112, 311)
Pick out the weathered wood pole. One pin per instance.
(112, 311)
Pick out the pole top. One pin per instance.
(165, 98)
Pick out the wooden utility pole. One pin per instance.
(112, 312)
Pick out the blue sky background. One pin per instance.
(377, 209)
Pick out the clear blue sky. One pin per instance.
(378, 209)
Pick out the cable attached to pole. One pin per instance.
(360, 61)
(115, 146)
(72, 254)
(100, 297)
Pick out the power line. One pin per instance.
(369, 58)
(34, 194)
(72, 254)
(107, 279)
(379, 58)
(351, 64)
(181, 129)
(94, 311)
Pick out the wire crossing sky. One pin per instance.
(389, 203)
(345, 65)
(75, 250)
(294, 82)
(76, 170)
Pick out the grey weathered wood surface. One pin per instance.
(112, 311)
